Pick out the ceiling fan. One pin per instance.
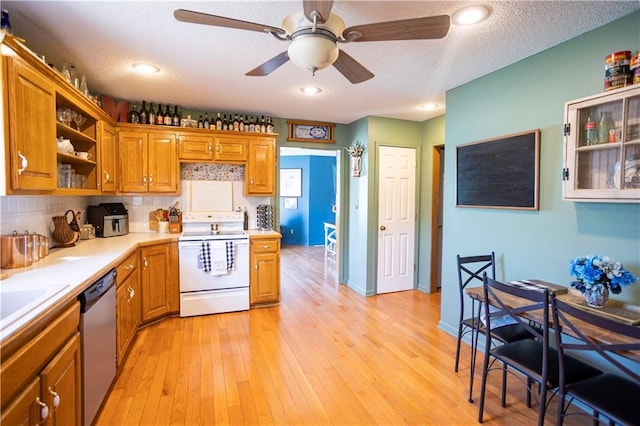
(314, 34)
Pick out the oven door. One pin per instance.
(193, 277)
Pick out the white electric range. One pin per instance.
(214, 263)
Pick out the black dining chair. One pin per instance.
(470, 271)
(531, 358)
(614, 394)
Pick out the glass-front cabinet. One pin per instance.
(602, 147)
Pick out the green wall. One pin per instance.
(536, 244)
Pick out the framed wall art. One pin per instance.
(291, 182)
(311, 131)
(501, 172)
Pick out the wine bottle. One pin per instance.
(269, 125)
(160, 115)
(144, 115)
(236, 123)
(151, 119)
(175, 118)
(252, 125)
(167, 116)
(241, 123)
(206, 124)
(263, 125)
(218, 122)
(246, 123)
(134, 117)
(200, 122)
(225, 123)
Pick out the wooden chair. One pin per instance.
(531, 358)
(614, 395)
(470, 271)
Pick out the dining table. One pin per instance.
(616, 310)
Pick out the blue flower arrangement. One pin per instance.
(595, 273)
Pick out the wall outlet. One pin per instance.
(292, 232)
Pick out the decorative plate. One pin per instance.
(631, 173)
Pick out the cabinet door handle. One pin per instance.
(144, 260)
(107, 177)
(265, 247)
(256, 266)
(144, 179)
(210, 148)
(56, 397)
(44, 409)
(131, 293)
(251, 181)
(129, 266)
(217, 148)
(23, 162)
(150, 179)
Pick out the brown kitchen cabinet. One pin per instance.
(195, 147)
(127, 305)
(159, 281)
(108, 158)
(43, 371)
(32, 94)
(602, 132)
(264, 280)
(261, 166)
(230, 149)
(148, 161)
(30, 143)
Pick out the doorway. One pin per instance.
(396, 219)
(309, 199)
(437, 203)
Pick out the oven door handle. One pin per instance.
(199, 243)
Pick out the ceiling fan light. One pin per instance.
(313, 52)
(429, 106)
(470, 15)
(310, 90)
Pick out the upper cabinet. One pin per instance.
(260, 172)
(148, 160)
(108, 158)
(34, 99)
(602, 147)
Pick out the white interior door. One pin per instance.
(396, 219)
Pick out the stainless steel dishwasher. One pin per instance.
(98, 330)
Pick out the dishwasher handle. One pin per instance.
(95, 291)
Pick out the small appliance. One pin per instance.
(109, 219)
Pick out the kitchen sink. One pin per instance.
(14, 303)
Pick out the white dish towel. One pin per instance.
(218, 252)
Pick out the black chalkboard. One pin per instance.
(501, 172)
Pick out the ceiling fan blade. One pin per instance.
(353, 70)
(321, 7)
(269, 66)
(428, 27)
(220, 21)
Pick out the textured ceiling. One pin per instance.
(203, 67)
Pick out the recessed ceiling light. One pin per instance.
(145, 68)
(470, 15)
(310, 90)
(429, 107)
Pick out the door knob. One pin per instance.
(383, 228)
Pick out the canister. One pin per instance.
(16, 250)
(617, 70)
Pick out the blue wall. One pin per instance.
(315, 204)
(531, 95)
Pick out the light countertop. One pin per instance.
(66, 272)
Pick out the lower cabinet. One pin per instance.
(41, 382)
(159, 281)
(127, 305)
(264, 285)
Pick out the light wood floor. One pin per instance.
(325, 355)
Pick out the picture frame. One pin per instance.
(291, 203)
(311, 131)
(500, 173)
(291, 182)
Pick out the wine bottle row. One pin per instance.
(235, 122)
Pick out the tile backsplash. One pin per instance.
(34, 213)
